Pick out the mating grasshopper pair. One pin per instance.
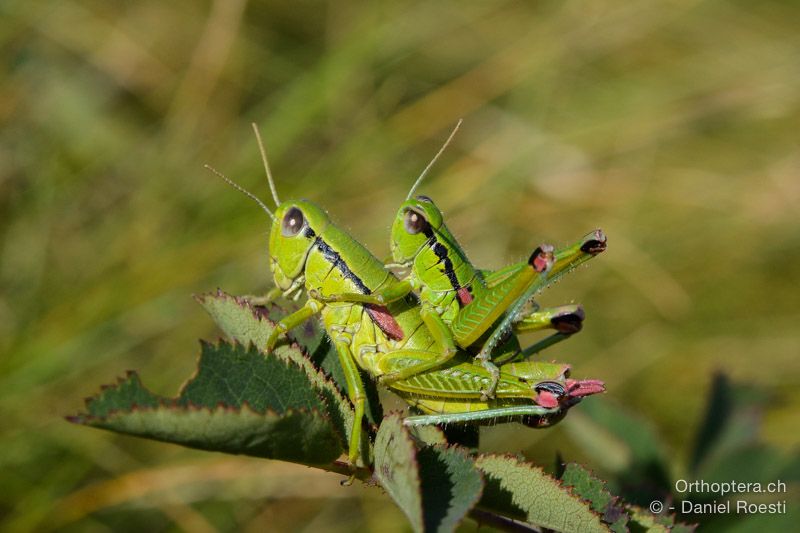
(420, 351)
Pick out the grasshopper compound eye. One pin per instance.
(292, 222)
(414, 222)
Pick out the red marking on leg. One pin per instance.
(464, 296)
(547, 399)
(542, 258)
(385, 321)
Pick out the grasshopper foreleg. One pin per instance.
(310, 309)
(443, 337)
(271, 295)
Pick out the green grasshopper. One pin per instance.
(464, 303)
(459, 303)
(308, 252)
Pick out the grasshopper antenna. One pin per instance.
(266, 165)
(241, 190)
(424, 172)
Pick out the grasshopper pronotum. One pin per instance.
(309, 253)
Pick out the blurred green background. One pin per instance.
(673, 126)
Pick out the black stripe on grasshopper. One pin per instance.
(415, 222)
(447, 264)
(339, 264)
(379, 314)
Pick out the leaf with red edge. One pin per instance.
(238, 402)
(435, 486)
(523, 491)
(309, 346)
(594, 491)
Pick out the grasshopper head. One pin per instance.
(417, 221)
(294, 231)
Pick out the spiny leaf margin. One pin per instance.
(526, 492)
(299, 430)
(248, 325)
(593, 490)
(435, 486)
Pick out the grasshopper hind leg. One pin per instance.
(566, 320)
(443, 338)
(517, 412)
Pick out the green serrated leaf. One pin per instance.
(524, 491)
(427, 435)
(247, 324)
(397, 470)
(242, 323)
(620, 525)
(297, 436)
(310, 336)
(126, 393)
(451, 486)
(234, 376)
(594, 491)
(301, 436)
(238, 402)
(435, 486)
(643, 519)
(587, 487)
(646, 520)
